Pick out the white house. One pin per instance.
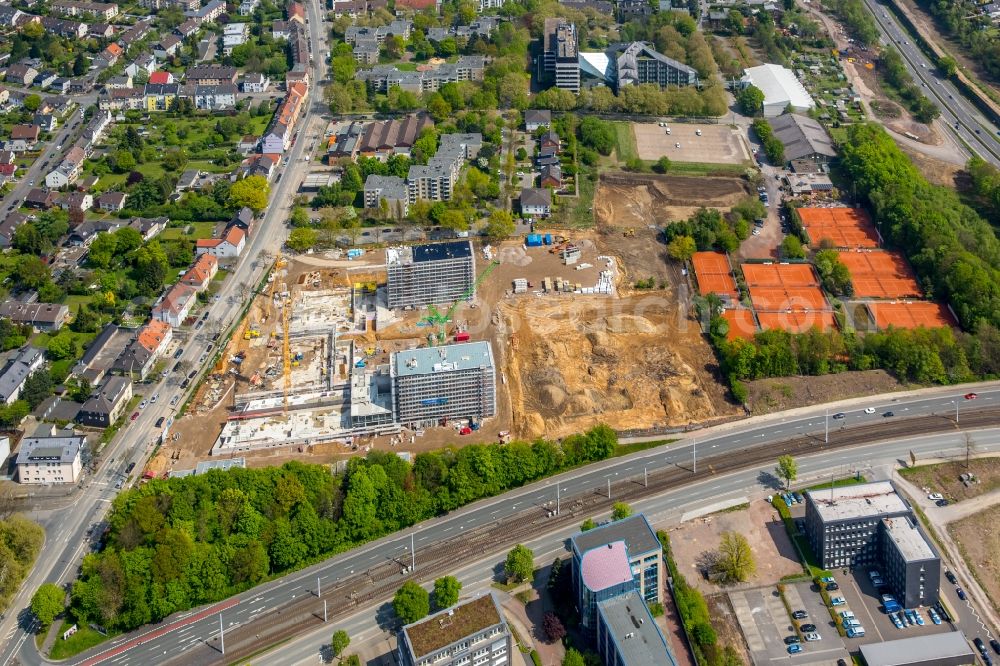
(536, 201)
(175, 305)
(50, 456)
(228, 247)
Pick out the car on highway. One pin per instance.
(142, 405)
(935, 496)
(159, 421)
(971, 396)
(961, 593)
(153, 399)
(840, 415)
(888, 415)
(800, 615)
(869, 410)
(134, 416)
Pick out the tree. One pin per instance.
(251, 191)
(573, 658)
(32, 272)
(750, 100)
(520, 563)
(339, 643)
(62, 347)
(553, 627)
(682, 248)
(662, 165)
(301, 239)
(500, 225)
(620, 511)
(80, 64)
(352, 660)
(411, 602)
(446, 590)
(299, 217)
(735, 562)
(37, 387)
(787, 469)
(587, 525)
(48, 602)
(947, 65)
(791, 248)
(31, 103)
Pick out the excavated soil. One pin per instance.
(629, 362)
(639, 200)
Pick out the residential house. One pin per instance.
(49, 456)
(551, 176)
(101, 10)
(144, 63)
(160, 78)
(233, 35)
(366, 51)
(280, 30)
(186, 29)
(40, 199)
(17, 369)
(122, 100)
(100, 31)
(21, 74)
(297, 12)
(230, 246)
(549, 140)
(82, 85)
(61, 85)
(9, 16)
(149, 227)
(535, 118)
(175, 305)
(46, 121)
(138, 359)
(47, 317)
(45, 78)
(167, 47)
(536, 201)
(356, 8)
(243, 219)
(8, 164)
(108, 403)
(259, 164)
(110, 56)
(383, 77)
(161, 97)
(111, 202)
(278, 137)
(210, 75)
(418, 5)
(208, 12)
(68, 170)
(64, 28)
(247, 144)
(8, 226)
(390, 189)
(135, 34)
(214, 97)
(254, 82)
(78, 201)
(247, 7)
(123, 82)
(200, 275)
(96, 127)
(23, 138)
(188, 180)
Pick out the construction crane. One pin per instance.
(435, 318)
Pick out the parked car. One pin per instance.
(941, 502)
(960, 592)
(837, 601)
(950, 576)
(831, 587)
(800, 615)
(896, 621)
(827, 579)
(794, 649)
(935, 496)
(856, 632)
(807, 627)
(980, 645)
(812, 637)
(142, 405)
(174, 400)
(134, 416)
(159, 421)
(995, 644)
(192, 374)
(791, 640)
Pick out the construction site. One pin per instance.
(538, 336)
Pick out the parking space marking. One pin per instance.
(745, 616)
(779, 615)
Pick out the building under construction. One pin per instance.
(429, 274)
(433, 384)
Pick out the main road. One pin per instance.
(959, 113)
(362, 578)
(67, 530)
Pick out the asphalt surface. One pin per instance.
(67, 537)
(666, 507)
(172, 638)
(959, 113)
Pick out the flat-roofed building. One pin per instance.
(446, 382)
(561, 55)
(627, 635)
(911, 565)
(473, 632)
(948, 649)
(427, 274)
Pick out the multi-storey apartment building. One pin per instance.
(428, 274)
(446, 382)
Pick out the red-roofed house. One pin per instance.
(416, 5)
(161, 78)
(297, 12)
(175, 305)
(201, 274)
(111, 54)
(228, 247)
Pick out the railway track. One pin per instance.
(375, 586)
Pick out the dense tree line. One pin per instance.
(20, 542)
(773, 148)
(986, 185)
(858, 19)
(177, 543)
(645, 99)
(902, 86)
(711, 230)
(954, 251)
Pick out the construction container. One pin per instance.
(533, 240)
(462, 337)
(355, 253)
(520, 286)
(548, 239)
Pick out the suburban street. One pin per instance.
(67, 529)
(196, 632)
(958, 112)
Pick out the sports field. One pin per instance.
(717, 144)
(845, 227)
(797, 322)
(714, 274)
(910, 314)
(880, 274)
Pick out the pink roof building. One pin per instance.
(606, 566)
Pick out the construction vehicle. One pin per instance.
(435, 318)
(629, 233)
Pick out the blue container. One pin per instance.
(548, 239)
(533, 240)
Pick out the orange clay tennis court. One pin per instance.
(787, 298)
(846, 227)
(910, 314)
(741, 324)
(878, 274)
(779, 275)
(796, 322)
(713, 273)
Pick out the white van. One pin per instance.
(847, 615)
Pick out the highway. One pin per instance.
(67, 529)
(367, 576)
(668, 507)
(958, 112)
